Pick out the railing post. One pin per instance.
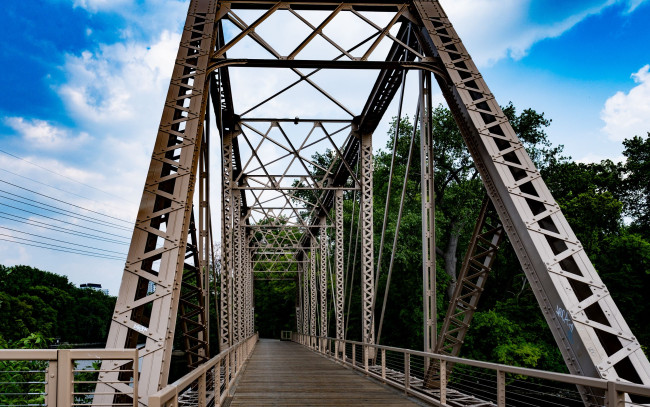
(64, 385)
(407, 371)
(383, 365)
(366, 356)
(354, 355)
(501, 388)
(443, 381)
(51, 383)
(202, 389)
(614, 397)
(226, 374)
(217, 383)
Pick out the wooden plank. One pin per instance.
(288, 374)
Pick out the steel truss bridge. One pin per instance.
(281, 210)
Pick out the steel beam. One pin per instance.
(323, 282)
(429, 311)
(159, 241)
(590, 331)
(339, 303)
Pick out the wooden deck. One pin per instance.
(288, 374)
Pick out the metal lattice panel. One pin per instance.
(282, 175)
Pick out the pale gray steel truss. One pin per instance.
(339, 298)
(323, 282)
(428, 216)
(250, 292)
(367, 249)
(237, 263)
(159, 242)
(205, 225)
(477, 264)
(305, 297)
(299, 302)
(225, 336)
(312, 288)
(591, 333)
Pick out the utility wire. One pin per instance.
(59, 229)
(62, 221)
(62, 241)
(62, 190)
(43, 245)
(67, 203)
(61, 211)
(61, 175)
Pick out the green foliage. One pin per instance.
(33, 300)
(637, 183)
(22, 382)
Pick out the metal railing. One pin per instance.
(473, 382)
(65, 377)
(210, 383)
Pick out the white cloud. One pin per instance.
(99, 5)
(118, 82)
(44, 136)
(497, 29)
(633, 4)
(592, 158)
(628, 114)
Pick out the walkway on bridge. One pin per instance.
(288, 374)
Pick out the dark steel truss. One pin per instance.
(285, 177)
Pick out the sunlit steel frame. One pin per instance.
(589, 329)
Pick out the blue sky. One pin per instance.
(84, 82)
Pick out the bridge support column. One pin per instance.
(428, 217)
(305, 295)
(339, 266)
(225, 337)
(323, 280)
(367, 249)
(237, 274)
(312, 287)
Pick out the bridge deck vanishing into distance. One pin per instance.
(263, 75)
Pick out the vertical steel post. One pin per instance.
(305, 295)
(323, 279)
(205, 249)
(367, 249)
(237, 265)
(428, 216)
(225, 339)
(312, 287)
(339, 304)
(299, 304)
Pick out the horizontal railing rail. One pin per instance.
(63, 377)
(492, 383)
(210, 383)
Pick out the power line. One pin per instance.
(59, 229)
(67, 203)
(62, 241)
(62, 221)
(41, 245)
(61, 175)
(59, 189)
(69, 213)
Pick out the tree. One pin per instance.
(637, 183)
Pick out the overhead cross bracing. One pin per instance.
(296, 91)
